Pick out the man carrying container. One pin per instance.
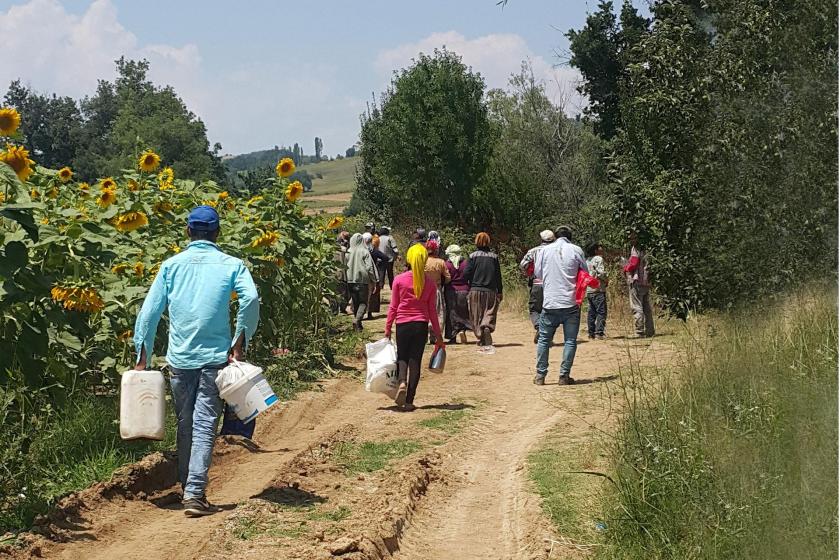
(196, 286)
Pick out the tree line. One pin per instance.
(711, 132)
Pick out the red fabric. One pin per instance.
(632, 264)
(584, 280)
(405, 308)
(529, 270)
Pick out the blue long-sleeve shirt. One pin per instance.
(196, 286)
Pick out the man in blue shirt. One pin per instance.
(557, 266)
(196, 285)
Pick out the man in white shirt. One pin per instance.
(557, 266)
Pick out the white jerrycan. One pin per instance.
(142, 405)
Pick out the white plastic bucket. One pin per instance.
(249, 396)
(142, 405)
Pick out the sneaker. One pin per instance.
(401, 394)
(539, 380)
(565, 380)
(198, 507)
(409, 407)
(490, 349)
(600, 336)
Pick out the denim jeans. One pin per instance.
(197, 406)
(550, 320)
(597, 317)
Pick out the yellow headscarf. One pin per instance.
(416, 258)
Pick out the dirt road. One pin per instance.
(456, 488)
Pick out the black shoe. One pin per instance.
(600, 336)
(409, 407)
(199, 507)
(539, 380)
(565, 380)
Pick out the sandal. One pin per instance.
(401, 395)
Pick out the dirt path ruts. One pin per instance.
(485, 508)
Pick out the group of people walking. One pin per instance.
(467, 289)
(452, 295)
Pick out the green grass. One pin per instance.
(318, 204)
(336, 515)
(735, 454)
(338, 176)
(449, 422)
(372, 456)
(249, 527)
(568, 498)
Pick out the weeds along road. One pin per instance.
(339, 473)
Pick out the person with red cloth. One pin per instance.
(639, 286)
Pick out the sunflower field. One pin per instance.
(77, 259)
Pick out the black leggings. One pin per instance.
(411, 341)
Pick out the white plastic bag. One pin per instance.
(382, 376)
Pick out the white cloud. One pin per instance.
(495, 57)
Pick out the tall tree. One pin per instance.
(319, 147)
(426, 146)
(601, 51)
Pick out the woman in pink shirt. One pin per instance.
(412, 307)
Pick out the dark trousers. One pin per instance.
(535, 303)
(411, 341)
(359, 297)
(389, 272)
(597, 318)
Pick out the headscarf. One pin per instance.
(547, 236)
(432, 246)
(482, 240)
(434, 236)
(454, 254)
(358, 258)
(416, 258)
(367, 238)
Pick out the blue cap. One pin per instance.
(203, 218)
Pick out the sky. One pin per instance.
(263, 73)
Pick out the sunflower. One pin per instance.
(106, 197)
(166, 177)
(285, 167)
(253, 200)
(130, 221)
(125, 336)
(120, 268)
(138, 268)
(162, 206)
(335, 222)
(34, 194)
(267, 239)
(84, 189)
(149, 161)
(107, 184)
(293, 191)
(2, 197)
(45, 220)
(174, 248)
(53, 192)
(9, 121)
(78, 299)
(65, 174)
(132, 185)
(212, 203)
(17, 157)
(223, 195)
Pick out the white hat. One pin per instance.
(547, 235)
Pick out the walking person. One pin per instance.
(361, 274)
(485, 278)
(436, 270)
(389, 248)
(457, 296)
(412, 309)
(419, 236)
(342, 296)
(639, 286)
(379, 263)
(535, 286)
(195, 287)
(557, 265)
(596, 319)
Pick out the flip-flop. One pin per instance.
(401, 395)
